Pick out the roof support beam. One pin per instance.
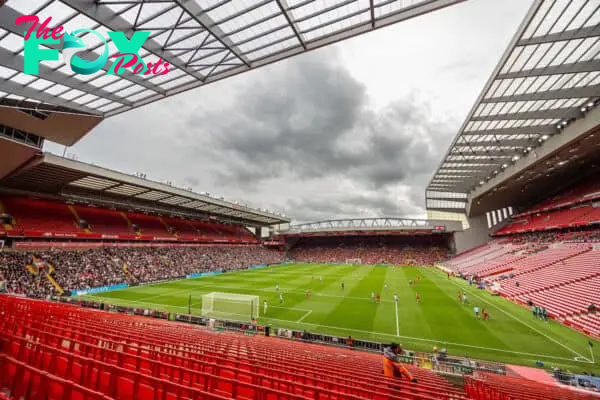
(198, 14)
(499, 142)
(582, 33)
(7, 21)
(283, 6)
(522, 130)
(372, 9)
(24, 91)
(574, 92)
(506, 154)
(479, 163)
(555, 113)
(15, 61)
(108, 18)
(573, 68)
(392, 18)
(451, 168)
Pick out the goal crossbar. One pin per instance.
(230, 305)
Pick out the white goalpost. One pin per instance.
(354, 261)
(230, 306)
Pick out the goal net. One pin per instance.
(230, 306)
(353, 261)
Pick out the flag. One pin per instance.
(190, 305)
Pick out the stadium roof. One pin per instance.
(373, 224)
(53, 175)
(547, 78)
(203, 41)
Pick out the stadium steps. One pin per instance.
(129, 224)
(77, 218)
(167, 227)
(59, 289)
(7, 227)
(129, 354)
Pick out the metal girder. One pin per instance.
(490, 153)
(522, 130)
(7, 21)
(198, 14)
(559, 113)
(24, 91)
(16, 62)
(555, 70)
(451, 169)
(283, 6)
(361, 224)
(372, 12)
(569, 93)
(480, 163)
(108, 18)
(499, 142)
(573, 68)
(581, 33)
(389, 19)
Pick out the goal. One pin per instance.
(353, 261)
(240, 307)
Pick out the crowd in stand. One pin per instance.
(82, 269)
(573, 235)
(370, 250)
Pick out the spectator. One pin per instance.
(89, 268)
(391, 367)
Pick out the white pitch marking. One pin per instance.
(397, 322)
(410, 338)
(304, 316)
(529, 326)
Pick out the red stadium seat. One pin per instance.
(130, 355)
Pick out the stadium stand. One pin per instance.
(89, 268)
(148, 224)
(491, 386)
(40, 218)
(33, 217)
(394, 250)
(575, 207)
(136, 360)
(181, 228)
(61, 351)
(547, 257)
(104, 221)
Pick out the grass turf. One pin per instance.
(511, 335)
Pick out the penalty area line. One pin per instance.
(578, 355)
(304, 316)
(397, 322)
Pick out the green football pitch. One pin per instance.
(511, 335)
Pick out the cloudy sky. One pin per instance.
(352, 130)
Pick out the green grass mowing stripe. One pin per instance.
(532, 334)
(440, 320)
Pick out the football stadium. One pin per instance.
(117, 286)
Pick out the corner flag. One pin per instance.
(190, 305)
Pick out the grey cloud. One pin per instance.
(312, 120)
(286, 139)
(351, 205)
